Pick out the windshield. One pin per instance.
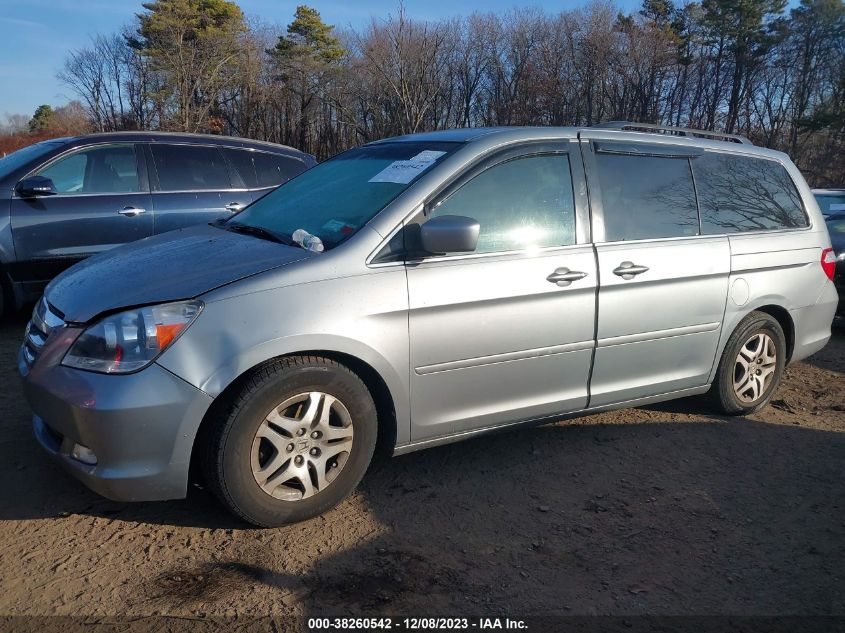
(13, 161)
(333, 200)
(831, 203)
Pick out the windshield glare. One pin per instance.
(333, 200)
(13, 161)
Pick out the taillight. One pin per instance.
(829, 262)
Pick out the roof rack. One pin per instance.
(673, 131)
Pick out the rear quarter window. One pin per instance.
(260, 170)
(744, 193)
(272, 169)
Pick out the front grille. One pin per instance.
(44, 322)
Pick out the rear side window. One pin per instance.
(260, 170)
(190, 168)
(743, 193)
(272, 169)
(522, 203)
(242, 160)
(646, 197)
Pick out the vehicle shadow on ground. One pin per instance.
(706, 516)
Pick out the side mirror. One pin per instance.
(35, 186)
(450, 234)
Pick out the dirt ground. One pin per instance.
(660, 510)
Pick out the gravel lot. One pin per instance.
(659, 510)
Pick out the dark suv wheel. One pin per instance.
(294, 442)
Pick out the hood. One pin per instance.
(181, 264)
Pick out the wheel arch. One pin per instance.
(372, 379)
(782, 316)
(772, 305)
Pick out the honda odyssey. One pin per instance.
(426, 289)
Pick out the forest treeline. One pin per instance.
(754, 67)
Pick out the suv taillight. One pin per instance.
(829, 262)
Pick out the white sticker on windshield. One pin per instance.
(837, 207)
(404, 171)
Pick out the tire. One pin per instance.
(757, 345)
(294, 442)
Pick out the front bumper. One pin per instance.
(140, 426)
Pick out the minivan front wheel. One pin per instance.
(751, 366)
(302, 445)
(294, 442)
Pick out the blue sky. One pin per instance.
(35, 35)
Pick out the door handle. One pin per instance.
(131, 212)
(563, 276)
(627, 270)
(234, 207)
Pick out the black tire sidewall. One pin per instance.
(757, 323)
(241, 489)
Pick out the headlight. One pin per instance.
(131, 340)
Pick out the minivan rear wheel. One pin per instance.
(751, 366)
(294, 442)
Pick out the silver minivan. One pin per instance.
(425, 289)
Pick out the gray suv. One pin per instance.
(425, 289)
(65, 199)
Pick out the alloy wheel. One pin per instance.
(754, 368)
(301, 446)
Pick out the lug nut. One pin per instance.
(315, 434)
(298, 460)
(290, 448)
(300, 432)
(314, 451)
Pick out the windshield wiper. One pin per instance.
(257, 231)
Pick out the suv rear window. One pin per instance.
(260, 170)
(743, 193)
(646, 197)
(190, 167)
(272, 169)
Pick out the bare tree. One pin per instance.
(716, 64)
